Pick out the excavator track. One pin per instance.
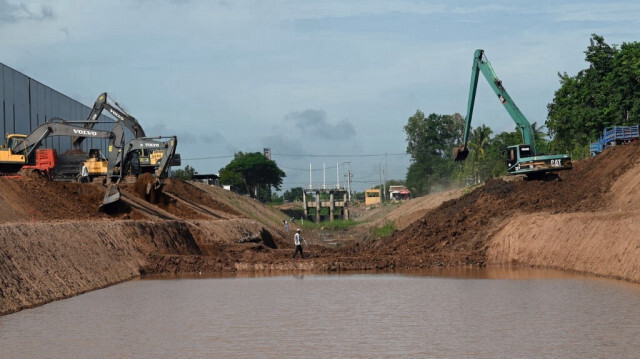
(199, 208)
(146, 208)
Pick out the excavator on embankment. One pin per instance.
(129, 164)
(522, 158)
(20, 152)
(140, 155)
(148, 157)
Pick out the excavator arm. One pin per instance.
(59, 127)
(482, 65)
(104, 102)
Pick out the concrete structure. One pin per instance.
(337, 203)
(372, 197)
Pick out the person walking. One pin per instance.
(297, 240)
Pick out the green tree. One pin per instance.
(253, 174)
(185, 174)
(605, 94)
(478, 144)
(430, 141)
(293, 195)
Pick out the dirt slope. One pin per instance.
(479, 227)
(54, 243)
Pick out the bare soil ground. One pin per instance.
(55, 243)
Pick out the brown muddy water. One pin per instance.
(485, 313)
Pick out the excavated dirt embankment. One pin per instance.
(586, 222)
(55, 244)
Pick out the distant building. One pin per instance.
(371, 197)
(399, 193)
(211, 179)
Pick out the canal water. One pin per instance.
(486, 313)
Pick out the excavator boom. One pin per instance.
(104, 102)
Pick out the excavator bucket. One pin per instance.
(111, 195)
(460, 153)
(153, 190)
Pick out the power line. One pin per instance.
(301, 155)
(206, 158)
(335, 155)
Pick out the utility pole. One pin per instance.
(380, 172)
(310, 183)
(348, 181)
(324, 176)
(386, 173)
(384, 183)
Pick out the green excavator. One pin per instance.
(522, 158)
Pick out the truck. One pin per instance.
(616, 135)
(522, 158)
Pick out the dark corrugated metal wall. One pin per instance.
(26, 103)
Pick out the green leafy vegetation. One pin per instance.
(185, 174)
(605, 94)
(386, 230)
(338, 224)
(252, 174)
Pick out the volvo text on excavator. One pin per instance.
(522, 158)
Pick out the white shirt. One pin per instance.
(85, 171)
(296, 239)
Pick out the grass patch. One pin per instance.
(386, 230)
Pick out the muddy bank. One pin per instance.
(42, 262)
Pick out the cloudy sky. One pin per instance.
(321, 83)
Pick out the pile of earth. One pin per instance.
(455, 233)
(33, 197)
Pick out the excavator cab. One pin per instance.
(13, 140)
(6, 153)
(134, 163)
(512, 156)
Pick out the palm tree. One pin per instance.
(478, 143)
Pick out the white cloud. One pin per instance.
(240, 75)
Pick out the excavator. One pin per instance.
(129, 163)
(522, 158)
(148, 157)
(17, 153)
